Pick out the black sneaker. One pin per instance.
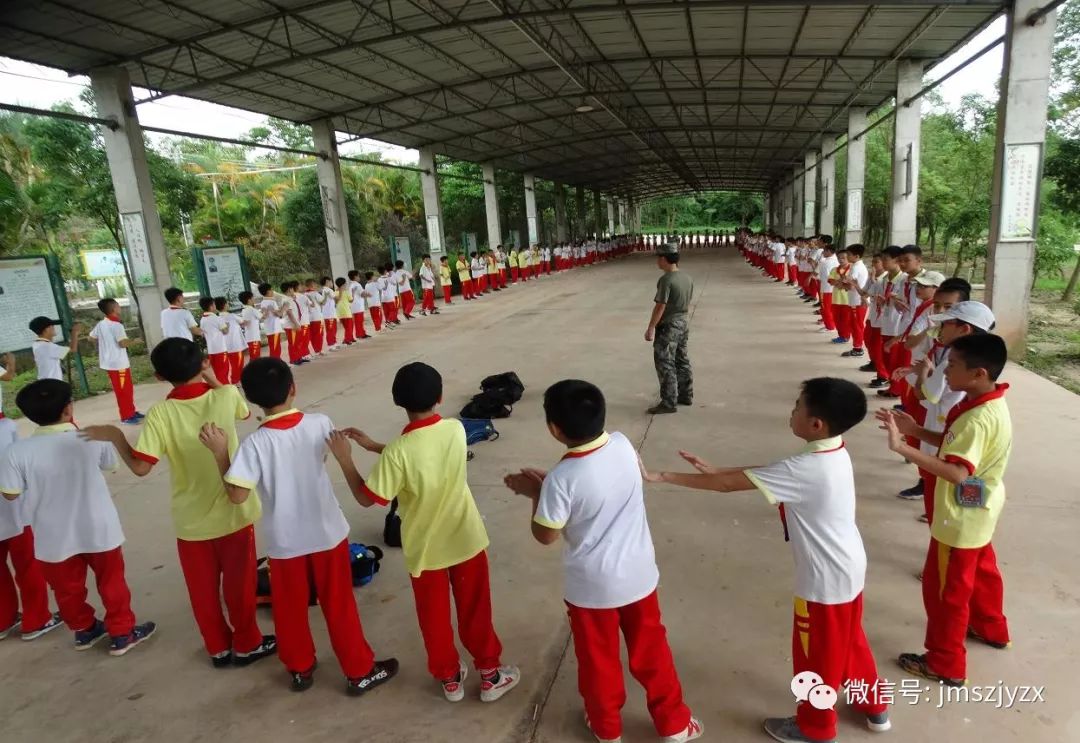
(266, 648)
(124, 643)
(661, 409)
(868, 368)
(87, 638)
(913, 493)
(222, 660)
(878, 383)
(973, 635)
(853, 353)
(915, 664)
(50, 624)
(685, 401)
(380, 673)
(303, 680)
(5, 631)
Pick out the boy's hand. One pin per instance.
(362, 439)
(646, 475)
(904, 423)
(896, 436)
(214, 439)
(76, 328)
(107, 434)
(339, 445)
(698, 463)
(523, 484)
(902, 372)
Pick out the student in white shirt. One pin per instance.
(113, 343)
(213, 328)
(305, 532)
(388, 292)
(235, 343)
(825, 266)
(815, 490)
(403, 280)
(293, 324)
(359, 299)
(593, 499)
(314, 301)
(852, 282)
(477, 271)
(372, 297)
(329, 313)
(427, 285)
(57, 475)
(250, 321)
(271, 313)
(48, 354)
(893, 306)
(176, 321)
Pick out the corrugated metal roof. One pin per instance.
(686, 94)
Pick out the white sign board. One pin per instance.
(224, 273)
(1020, 192)
(25, 293)
(787, 216)
(102, 264)
(854, 210)
(142, 268)
(434, 235)
(532, 231)
(810, 217)
(403, 251)
(470, 241)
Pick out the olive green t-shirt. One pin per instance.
(674, 290)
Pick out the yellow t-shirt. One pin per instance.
(200, 508)
(424, 469)
(839, 294)
(344, 303)
(980, 438)
(463, 270)
(444, 274)
(492, 268)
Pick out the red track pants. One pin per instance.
(296, 350)
(236, 365)
(858, 326)
(827, 311)
(124, 391)
(899, 356)
(446, 290)
(347, 324)
(514, 274)
(290, 587)
(330, 328)
(219, 362)
(408, 303)
(68, 581)
(600, 673)
(27, 585)
(273, 345)
(842, 316)
(217, 568)
(961, 588)
(358, 325)
(254, 350)
(828, 639)
(315, 334)
(470, 583)
(879, 355)
(376, 318)
(429, 300)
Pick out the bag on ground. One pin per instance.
(487, 405)
(478, 429)
(505, 387)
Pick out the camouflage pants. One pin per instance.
(673, 362)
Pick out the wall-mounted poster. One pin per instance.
(1020, 192)
(854, 210)
(221, 272)
(30, 287)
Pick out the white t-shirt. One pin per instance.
(269, 308)
(356, 299)
(249, 318)
(402, 277)
(303, 307)
(285, 460)
(67, 502)
(12, 515)
(891, 318)
(111, 355)
(859, 274)
(177, 322)
(374, 291)
(825, 267)
(329, 305)
(817, 491)
(213, 328)
(427, 277)
(388, 289)
(940, 398)
(314, 305)
(47, 358)
(874, 288)
(595, 496)
(791, 256)
(477, 268)
(234, 333)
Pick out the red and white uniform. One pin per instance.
(113, 360)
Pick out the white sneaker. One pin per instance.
(598, 738)
(5, 631)
(49, 626)
(493, 690)
(693, 731)
(454, 689)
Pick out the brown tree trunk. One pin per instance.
(1070, 290)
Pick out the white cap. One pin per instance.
(976, 314)
(930, 278)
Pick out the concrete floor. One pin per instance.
(726, 572)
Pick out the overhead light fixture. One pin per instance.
(584, 107)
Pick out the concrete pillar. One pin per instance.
(810, 224)
(907, 127)
(1018, 160)
(429, 187)
(767, 219)
(827, 192)
(856, 176)
(598, 214)
(610, 217)
(797, 194)
(621, 204)
(581, 222)
(332, 192)
(530, 210)
(147, 256)
(562, 229)
(491, 206)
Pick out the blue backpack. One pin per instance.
(478, 429)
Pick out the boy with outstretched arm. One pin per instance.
(593, 499)
(215, 540)
(306, 532)
(963, 591)
(442, 534)
(815, 490)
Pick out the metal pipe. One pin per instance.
(66, 115)
(1037, 15)
(239, 142)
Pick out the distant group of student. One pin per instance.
(932, 351)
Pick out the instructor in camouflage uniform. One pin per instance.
(669, 332)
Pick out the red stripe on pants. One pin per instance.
(28, 584)
(305, 341)
(273, 345)
(219, 362)
(842, 317)
(961, 588)
(124, 391)
(292, 336)
(330, 327)
(858, 326)
(827, 311)
(218, 568)
(600, 673)
(408, 303)
(376, 318)
(828, 639)
(358, 329)
(290, 587)
(68, 581)
(470, 583)
(447, 288)
(429, 300)
(254, 350)
(236, 365)
(315, 333)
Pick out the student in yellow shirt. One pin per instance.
(214, 538)
(444, 279)
(492, 270)
(442, 534)
(465, 277)
(963, 591)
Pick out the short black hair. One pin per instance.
(243, 297)
(443, 259)
(399, 264)
(892, 251)
(857, 249)
(368, 275)
(982, 351)
(267, 382)
(417, 387)
(354, 274)
(672, 258)
(827, 239)
(220, 303)
(324, 279)
(577, 408)
(206, 303)
(172, 294)
(911, 250)
(340, 281)
(177, 360)
(265, 288)
(285, 286)
(44, 401)
(837, 402)
(106, 305)
(959, 285)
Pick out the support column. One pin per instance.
(530, 211)
(610, 217)
(148, 259)
(797, 195)
(429, 187)
(332, 193)
(1018, 161)
(767, 217)
(598, 215)
(907, 128)
(827, 193)
(562, 230)
(581, 223)
(491, 206)
(621, 205)
(856, 176)
(810, 223)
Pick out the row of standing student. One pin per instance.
(931, 347)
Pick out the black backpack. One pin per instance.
(391, 535)
(506, 388)
(488, 404)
